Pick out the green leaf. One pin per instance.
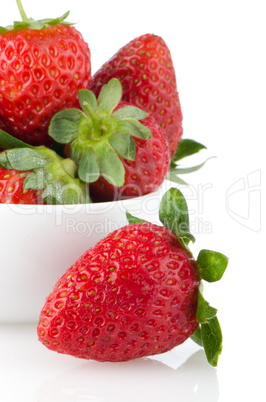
(36, 180)
(4, 162)
(76, 150)
(58, 192)
(71, 196)
(133, 219)
(3, 30)
(212, 265)
(173, 214)
(88, 170)
(209, 333)
(132, 112)
(7, 141)
(186, 148)
(64, 126)
(73, 193)
(109, 96)
(197, 337)
(110, 165)
(212, 340)
(191, 169)
(58, 20)
(204, 311)
(174, 173)
(134, 128)
(124, 145)
(174, 178)
(87, 98)
(20, 25)
(54, 193)
(37, 25)
(22, 159)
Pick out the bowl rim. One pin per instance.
(101, 207)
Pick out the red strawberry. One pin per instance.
(135, 293)
(110, 160)
(12, 191)
(145, 68)
(42, 66)
(143, 175)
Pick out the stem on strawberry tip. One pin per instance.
(96, 133)
(22, 11)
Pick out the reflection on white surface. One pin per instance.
(138, 380)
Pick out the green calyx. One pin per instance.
(173, 214)
(99, 136)
(186, 147)
(33, 24)
(51, 173)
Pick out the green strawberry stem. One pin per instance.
(99, 135)
(174, 215)
(22, 11)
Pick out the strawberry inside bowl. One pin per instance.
(39, 242)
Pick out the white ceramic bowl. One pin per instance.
(38, 243)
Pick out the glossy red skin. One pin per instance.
(40, 74)
(132, 295)
(145, 69)
(145, 174)
(11, 188)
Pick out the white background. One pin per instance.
(218, 49)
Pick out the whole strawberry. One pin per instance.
(120, 150)
(135, 293)
(145, 68)
(42, 66)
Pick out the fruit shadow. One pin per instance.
(139, 380)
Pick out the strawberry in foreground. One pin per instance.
(42, 65)
(37, 175)
(120, 150)
(145, 69)
(136, 293)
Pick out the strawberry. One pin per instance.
(37, 175)
(42, 66)
(100, 136)
(144, 174)
(135, 293)
(145, 68)
(12, 191)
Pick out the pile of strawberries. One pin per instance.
(68, 138)
(121, 127)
